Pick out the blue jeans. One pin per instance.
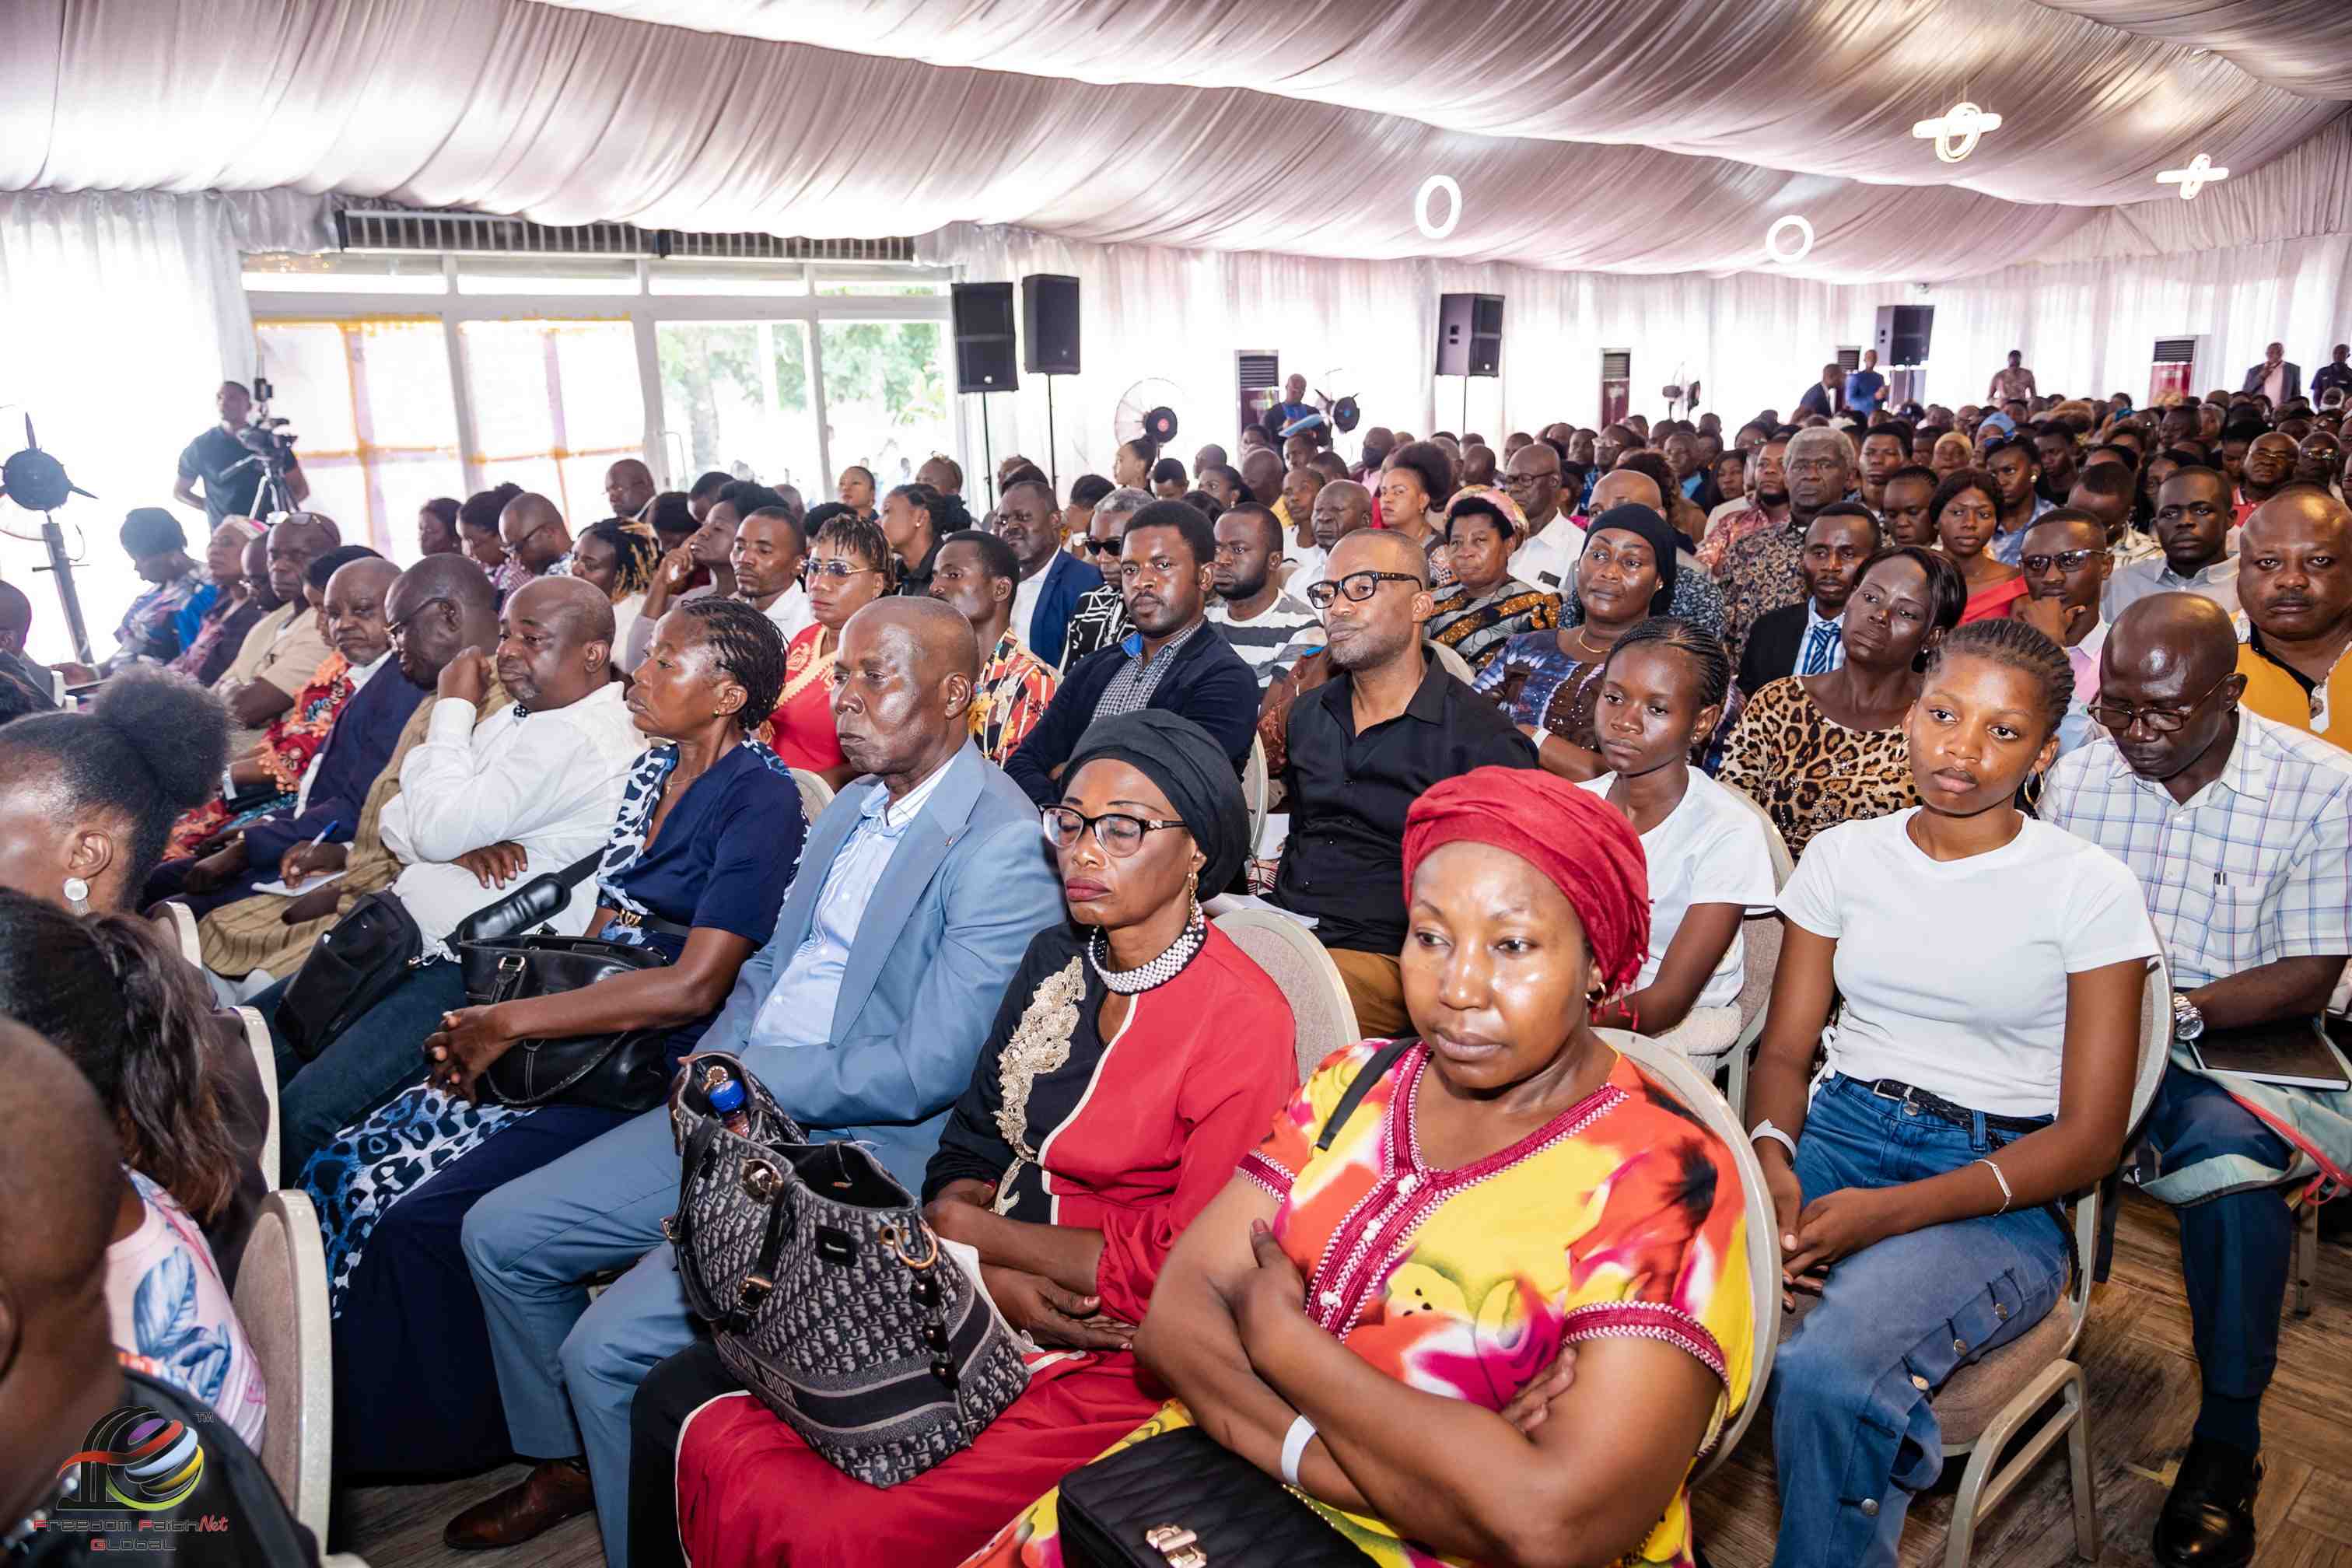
(1854, 1434)
(378, 1056)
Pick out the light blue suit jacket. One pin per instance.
(968, 886)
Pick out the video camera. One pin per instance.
(269, 440)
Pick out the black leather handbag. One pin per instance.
(1182, 1500)
(826, 1292)
(625, 1071)
(353, 965)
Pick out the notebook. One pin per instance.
(2292, 1053)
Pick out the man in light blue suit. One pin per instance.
(918, 892)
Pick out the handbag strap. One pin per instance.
(1374, 1070)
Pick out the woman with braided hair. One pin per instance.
(618, 558)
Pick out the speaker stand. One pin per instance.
(987, 451)
(1465, 403)
(1053, 462)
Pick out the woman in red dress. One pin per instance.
(1967, 514)
(1138, 1055)
(849, 568)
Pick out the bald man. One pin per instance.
(2239, 831)
(366, 733)
(1340, 507)
(1361, 748)
(285, 646)
(865, 1025)
(1261, 471)
(516, 769)
(533, 532)
(629, 490)
(2294, 583)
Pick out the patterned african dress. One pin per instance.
(1478, 629)
(1758, 575)
(1620, 1218)
(285, 750)
(1808, 771)
(1013, 691)
(150, 628)
(1536, 682)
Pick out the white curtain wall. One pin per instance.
(124, 313)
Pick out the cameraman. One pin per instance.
(211, 456)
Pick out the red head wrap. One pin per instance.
(1579, 841)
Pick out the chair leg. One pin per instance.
(1961, 1540)
(1987, 1483)
(2078, 1460)
(2306, 1256)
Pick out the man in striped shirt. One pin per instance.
(1268, 625)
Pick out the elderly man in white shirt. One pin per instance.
(530, 787)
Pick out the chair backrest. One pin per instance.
(1667, 1069)
(1319, 1007)
(178, 924)
(281, 1302)
(265, 1058)
(815, 794)
(1784, 865)
(1254, 789)
(1451, 662)
(1759, 938)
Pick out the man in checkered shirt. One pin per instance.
(2239, 830)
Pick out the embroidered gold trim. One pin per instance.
(1040, 1044)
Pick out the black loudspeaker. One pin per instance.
(983, 337)
(1469, 334)
(1049, 324)
(1903, 333)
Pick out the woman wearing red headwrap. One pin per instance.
(1507, 1305)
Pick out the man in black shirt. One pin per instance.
(211, 457)
(1362, 747)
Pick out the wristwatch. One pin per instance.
(2188, 1023)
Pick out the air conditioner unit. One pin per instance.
(2179, 365)
(1616, 384)
(1257, 384)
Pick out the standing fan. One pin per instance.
(1147, 411)
(1336, 393)
(36, 482)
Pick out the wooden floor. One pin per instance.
(2142, 1383)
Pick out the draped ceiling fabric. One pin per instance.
(1612, 135)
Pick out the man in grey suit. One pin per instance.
(2277, 378)
(920, 888)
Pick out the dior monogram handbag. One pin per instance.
(825, 1291)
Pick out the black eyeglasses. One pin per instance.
(2067, 561)
(1098, 546)
(1119, 833)
(1357, 585)
(2117, 718)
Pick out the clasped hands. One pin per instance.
(1050, 1313)
(1815, 1235)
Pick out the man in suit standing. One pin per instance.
(918, 890)
(1809, 638)
(2278, 378)
(1052, 579)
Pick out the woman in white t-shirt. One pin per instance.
(1980, 1072)
(1662, 690)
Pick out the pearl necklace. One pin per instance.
(1158, 972)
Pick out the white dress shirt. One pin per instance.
(550, 782)
(1026, 595)
(791, 612)
(1548, 561)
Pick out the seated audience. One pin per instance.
(855, 491)
(1966, 510)
(767, 559)
(675, 519)
(228, 610)
(1167, 560)
(1087, 492)
(1052, 581)
(629, 491)
(2269, 468)
(1268, 624)
(60, 1166)
(1883, 449)
(922, 886)
(942, 473)
(1679, 510)
(848, 569)
(1435, 1438)
(1262, 474)
(1547, 549)
(1358, 749)
(1757, 572)
(355, 751)
(1807, 638)
(1817, 750)
(702, 567)
(1294, 509)
(1486, 606)
(1663, 688)
(436, 526)
(1414, 487)
(1168, 480)
(2183, 779)
(694, 872)
(1908, 517)
(131, 1013)
(2107, 492)
(2295, 579)
(619, 561)
(2065, 562)
(915, 518)
(516, 769)
(1072, 1176)
(151, 631)
(977, 574)
(2015, 468)
(268, 776)
(478, 536)
(533, 530)
(1548, 683)
(1951, 454)
(2193, 516)
(1099, 620)
(1341, 507)
(1919, 1185)
(288, 644)
(1696, 598)
(1766, 507)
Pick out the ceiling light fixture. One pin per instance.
(1804, 230)
(1956, 131)
(2194, 178)
(1429, 187)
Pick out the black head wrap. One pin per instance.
(1191, 770)
(1633, 517)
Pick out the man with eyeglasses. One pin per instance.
(2065, 561)
(533, 532)
(1532, 477)
(1167, 562)
(2294, 577)
(2239, 830)
(1099, 619)
(1361, 748)
(2192, 527)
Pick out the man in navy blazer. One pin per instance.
(1172, 660)
(918, 890)
(1052, 579)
